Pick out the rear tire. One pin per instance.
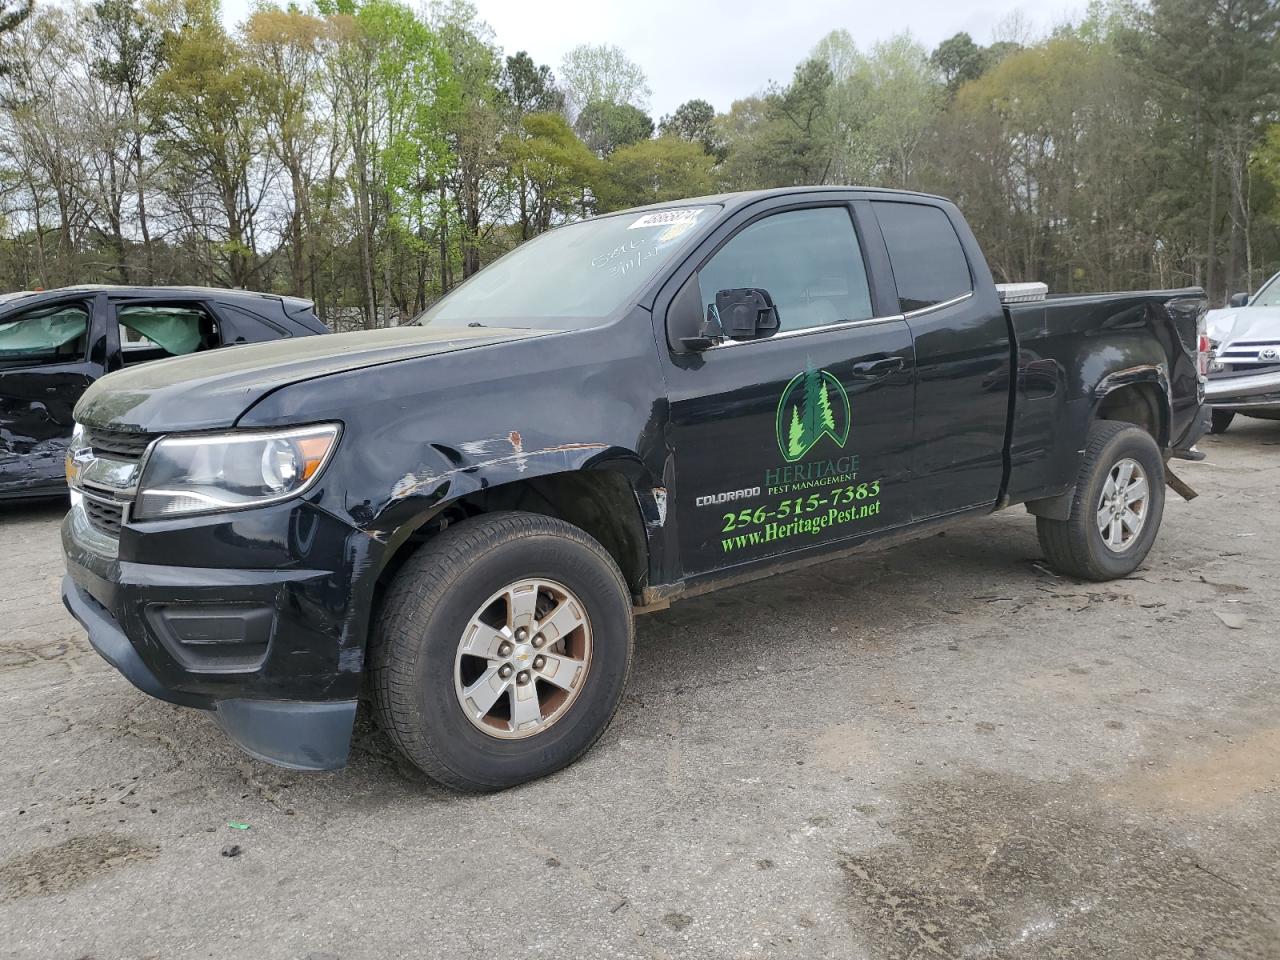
(463, 591)
(1116, 454)
(1220, 420)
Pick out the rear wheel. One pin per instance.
(502, 650)
(1117, 507)
(1220, 420)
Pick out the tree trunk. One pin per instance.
(148, 254)
(297, 237)
(366, 240)
(444, 241)
(1210, 251)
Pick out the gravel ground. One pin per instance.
(938, 751)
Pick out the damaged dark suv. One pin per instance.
(456, 520)
(54, 343)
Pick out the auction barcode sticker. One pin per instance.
(665, 218)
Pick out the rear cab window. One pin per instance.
(44, 336)
(152, 332)
(809, 262)
(928, 260)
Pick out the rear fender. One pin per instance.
(1153, 379)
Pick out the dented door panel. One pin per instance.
(36, 404)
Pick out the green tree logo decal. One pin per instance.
(812, 406)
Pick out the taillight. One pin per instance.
(1203, 346)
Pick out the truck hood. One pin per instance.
(1243, 323)
(208, 390)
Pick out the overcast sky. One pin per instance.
(721, 50)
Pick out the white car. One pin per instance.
(1244, 366)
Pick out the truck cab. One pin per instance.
(456, 521)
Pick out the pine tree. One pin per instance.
(795, 442)
(812, 414)
(824, 409)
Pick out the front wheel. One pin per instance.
(1117, 507)
(501, 651)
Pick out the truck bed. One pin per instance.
(1059, 345)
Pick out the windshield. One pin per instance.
(1269, 295)
(570, 276)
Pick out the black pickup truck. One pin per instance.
(457, 519)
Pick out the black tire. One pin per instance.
(1076, 546)
(421, 622)
(1220, 420)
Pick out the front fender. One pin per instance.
(420, 434)
(457, 472)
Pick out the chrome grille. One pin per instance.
(105, 466)
(120, 443)
(1245, 370)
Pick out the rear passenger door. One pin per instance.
(802, 438)
(148, 329)
(962, 355)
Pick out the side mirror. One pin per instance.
(1238, 300)
(747, 313)
(687, 330)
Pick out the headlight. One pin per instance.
(228, 471)
(71, 465)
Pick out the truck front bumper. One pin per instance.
(275, 654)
(1242, 392)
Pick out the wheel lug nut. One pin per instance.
(504, 649)
(504, 671)
(539, 662)
(521, 634)
(522, 677)
(539, 640)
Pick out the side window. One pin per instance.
(808, 260)
(244, 326)
(168, 330)
(929, 265)
(48, 335)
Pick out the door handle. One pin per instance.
(875, 369)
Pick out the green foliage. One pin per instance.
(602, 73)
(1214, 75)
(654, 171)
(785, 138)
(552, 168)
(529, 87)
(605, 127)
(206, 109)
(959, 59)
(371, 154)
(11, 15)
(695, 121)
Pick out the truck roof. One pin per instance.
(743, 197)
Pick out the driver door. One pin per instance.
(802, 438)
